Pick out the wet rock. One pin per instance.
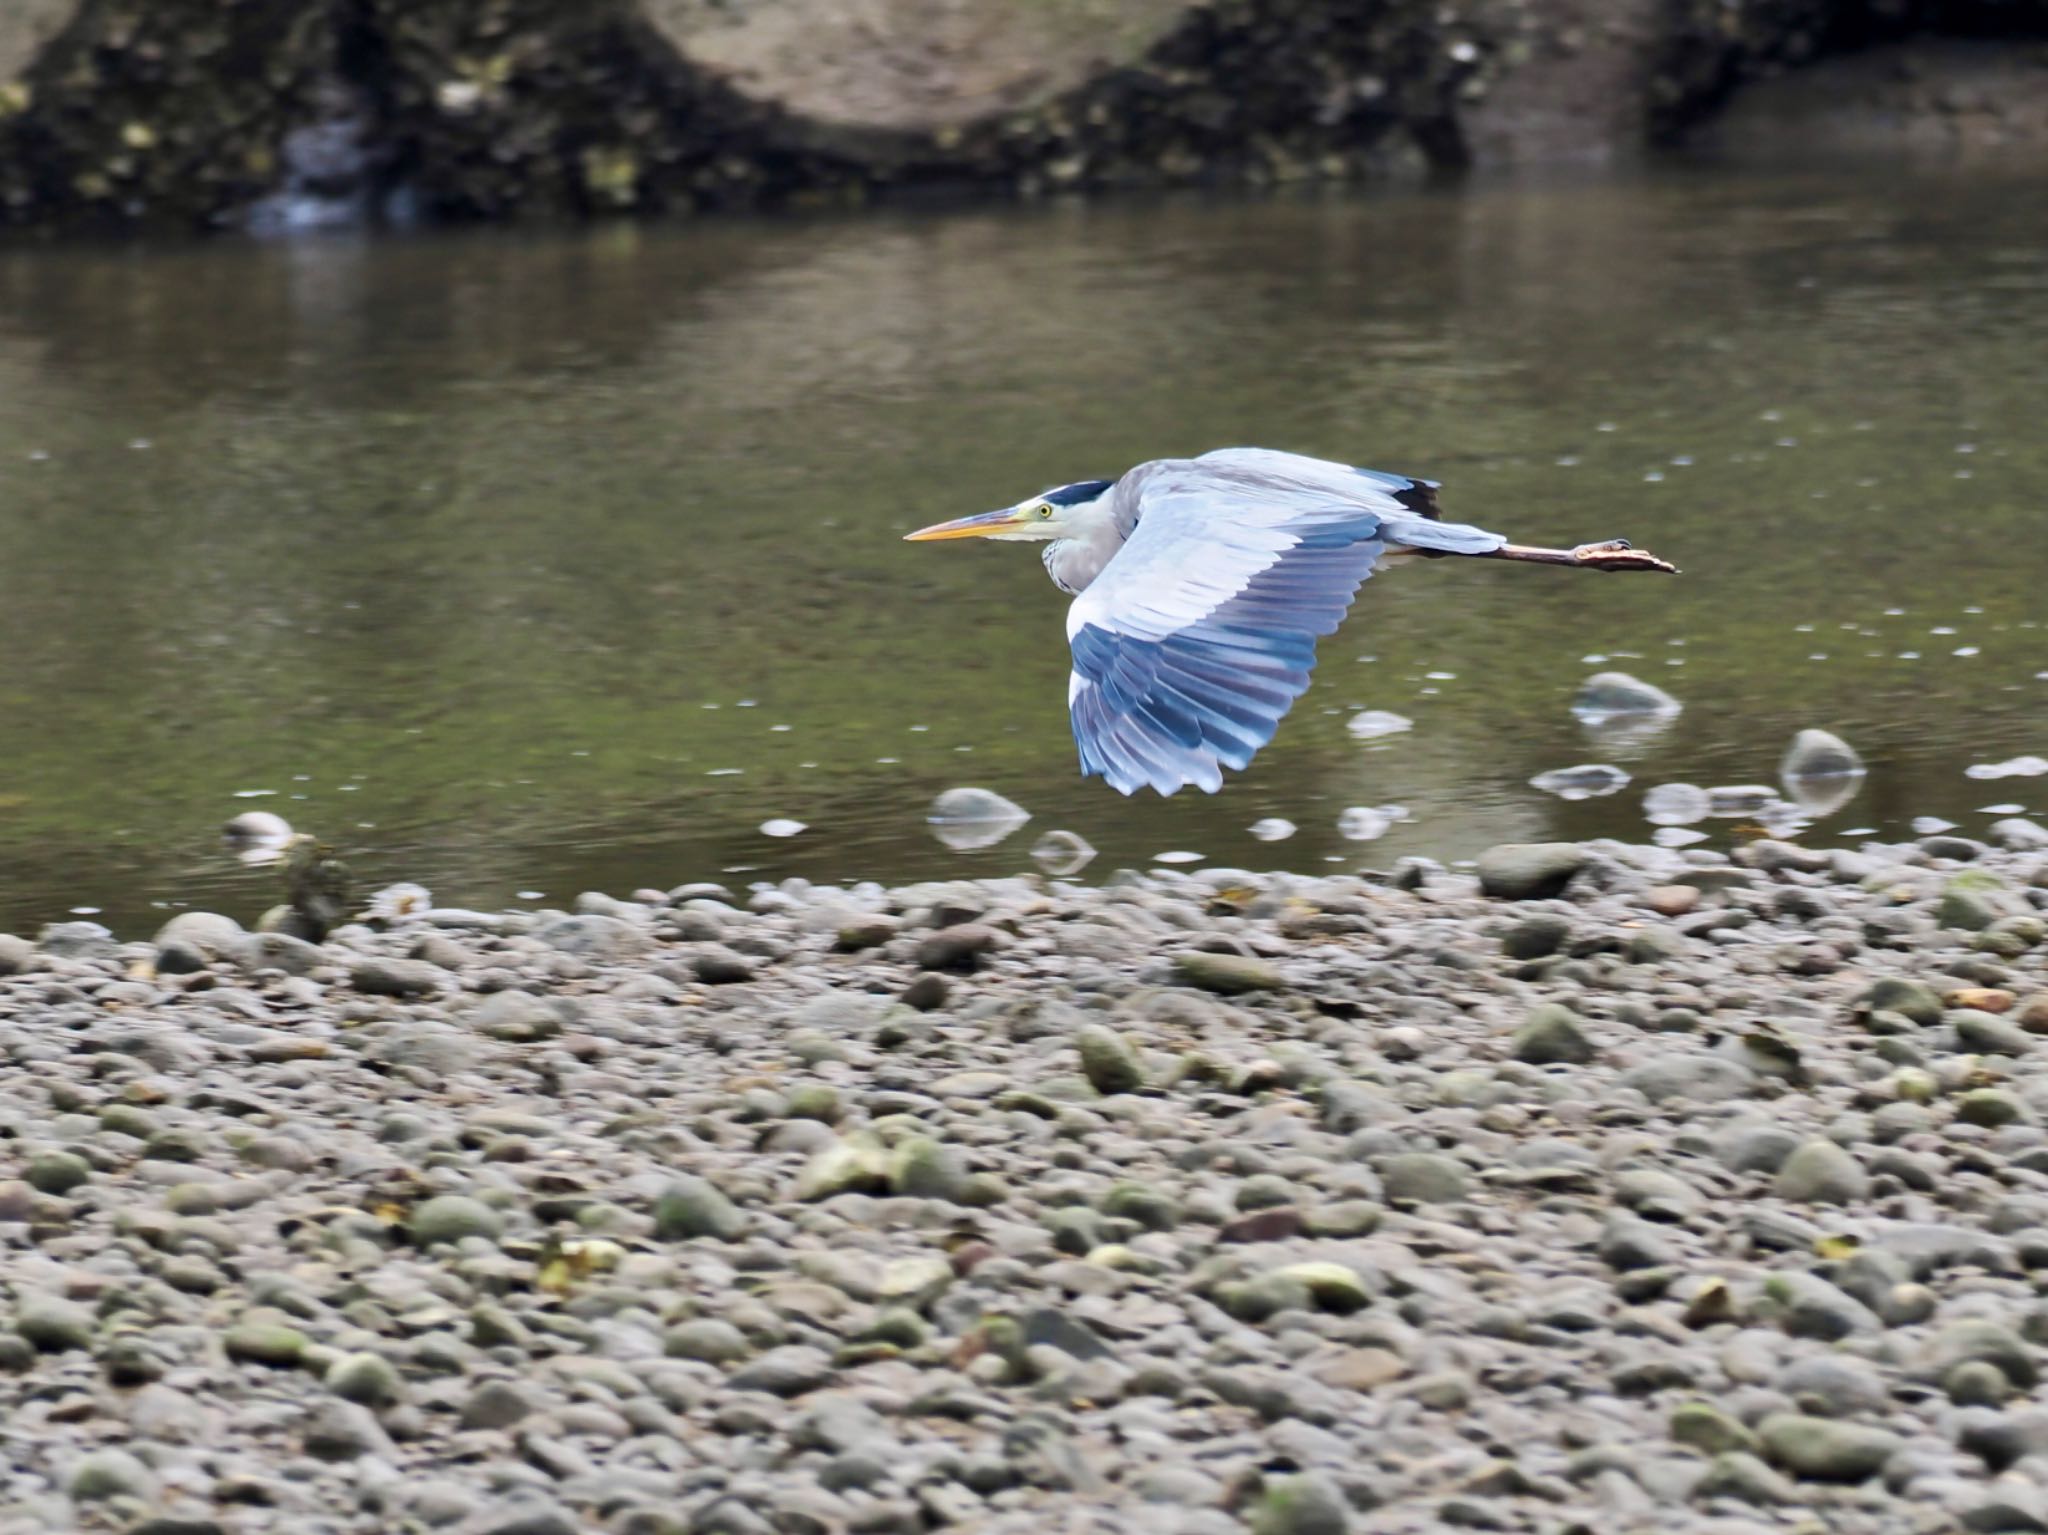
(1529, 871)
(968, 819)
(1608, 695)
(1586, 781)
(1819, 754)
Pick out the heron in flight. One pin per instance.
(1201, 586)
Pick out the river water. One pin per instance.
(526, 563)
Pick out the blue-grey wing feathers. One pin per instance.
(1200, 633)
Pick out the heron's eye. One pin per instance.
(1044, 510)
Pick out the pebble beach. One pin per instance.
(1595, 1188)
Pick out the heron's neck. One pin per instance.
(1077, 559)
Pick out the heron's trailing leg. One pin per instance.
(1614, 554)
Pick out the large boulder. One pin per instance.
(171, 112)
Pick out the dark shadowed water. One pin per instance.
(537, 563)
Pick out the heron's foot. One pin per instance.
(1620, 554)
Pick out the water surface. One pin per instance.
(543, 562)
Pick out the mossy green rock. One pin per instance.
(1331, 1286)
(1140, 1202)
(1228, 974)
(857, 1163)
(57, 1172)
(266, 1343)
(1108, 1061)
(1908, 999)
(692, 1207)
(1707, 1428)
(1553, 1036)
(1302, 1505)
(922, 1168)
(1970, 910)
(367, 1378)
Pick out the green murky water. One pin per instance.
(537, 563)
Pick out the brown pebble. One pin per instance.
(1274, 1225)
(2034, 1016)
(969, 1256)
(957, 947)
(1362, 1369)
(1985, 999)
(1671, 900)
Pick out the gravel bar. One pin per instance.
(1599, 1188)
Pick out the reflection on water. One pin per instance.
(538, 563)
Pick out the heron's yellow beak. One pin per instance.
(980, 525)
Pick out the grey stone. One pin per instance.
(496, 1404)
(710, 1339)
(1699, 1078)
(1827, 1450)
(396, 977)
(1422, 1177)
(790, 1370)
(451, 1218)
(1821, 1172)
(1529, 871)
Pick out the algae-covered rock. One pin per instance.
(175, 112)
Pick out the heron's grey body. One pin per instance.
(1201, 587)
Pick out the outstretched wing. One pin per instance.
(1200, 634)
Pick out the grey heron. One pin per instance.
(1201, 586)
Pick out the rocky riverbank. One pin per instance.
(1601, 1187)
(198, 113)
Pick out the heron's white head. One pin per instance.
(1066, 511)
